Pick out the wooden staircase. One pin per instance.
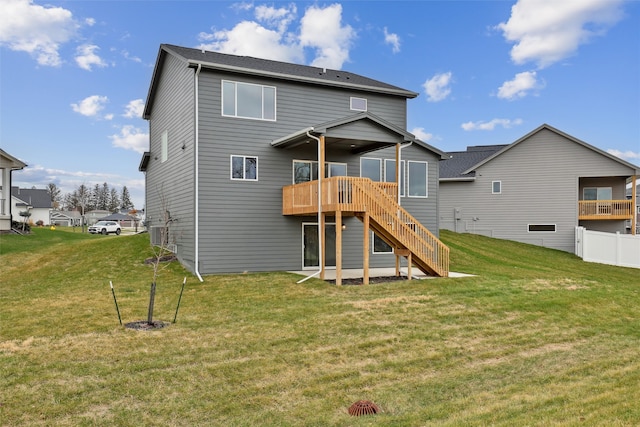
(389, 220)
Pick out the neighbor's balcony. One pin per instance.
(605, 209)
(340, 193)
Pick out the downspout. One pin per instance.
(320, 249)
(399, 166)
(197, 178)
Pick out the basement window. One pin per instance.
(535, 228)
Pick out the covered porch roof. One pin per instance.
(360, 133)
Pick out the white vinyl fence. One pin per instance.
(608, 248)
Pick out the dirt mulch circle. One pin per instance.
(165, 258)
(372, 280)
(143, 325)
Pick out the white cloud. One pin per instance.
(130, 57)
(251, 39)
(392, 39)
(630, 156)
(276, 18)
(90, 22)
(134, 109)
(322, 29)
(505, 123)
(269, 37)
(547, 31)
(35, 29)
(519, 87)
(131, 138)
(86, 57)
(90, 106)
(437, 87)
(421, 134)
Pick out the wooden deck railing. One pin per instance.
(359, 195)
(605, 209)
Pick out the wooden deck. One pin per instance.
(375, 204)
(605, 210)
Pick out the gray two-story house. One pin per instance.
(250, 158)
(536, 190)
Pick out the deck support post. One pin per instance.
(365, 249)
(397, 265)
(634, 201)
(338, 248)
(322, 236)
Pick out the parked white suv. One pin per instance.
(105, 227)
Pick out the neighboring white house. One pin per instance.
(36, 201)
(8, 163)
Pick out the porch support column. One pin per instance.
(398, 171)
(397, 265)
(338, 248)
(321, 235)
(634, 207)
(321, 227)
(365, 249)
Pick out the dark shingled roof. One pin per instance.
(284, 69)
(267, 68)
(36, 198)
(461, 161)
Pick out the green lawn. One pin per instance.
(537, 338)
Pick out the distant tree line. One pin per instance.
(85, 199)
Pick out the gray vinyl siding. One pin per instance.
(241, 223)
(540, 185)
(173, 179)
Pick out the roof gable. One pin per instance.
(7, 161)
(267, 68)
(558, 132)
(331, 130)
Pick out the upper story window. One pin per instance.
(597, 193)
(358, 104)
(417, 178)
(244, 168)
(249, 101)
(496, 187)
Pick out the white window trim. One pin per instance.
(354, 98)
(492, 187)
(373, 246)
(380, 163)
(555, 228)
(426, 178)
(244, 159)
(236, 83)
(401, 188)
(596, 188)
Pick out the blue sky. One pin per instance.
(74, 75)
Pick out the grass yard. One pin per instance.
(537, 338)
